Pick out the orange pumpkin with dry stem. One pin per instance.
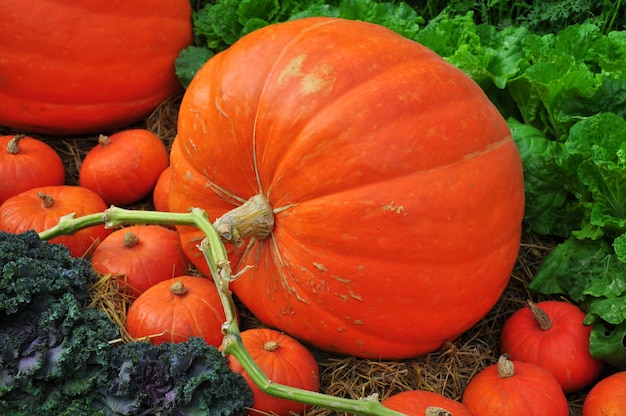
(141, 256)
(41, 208)
(27, 163)
(175, 310)
(552, 335)
(375, 188)
(514, 388)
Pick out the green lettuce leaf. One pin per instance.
(569, 78)
(597, 153)
(608, 343)
(550, 208)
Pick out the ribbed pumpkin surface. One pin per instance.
(396, 188)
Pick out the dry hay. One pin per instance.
(446, 371)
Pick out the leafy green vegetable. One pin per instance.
(52, 350)
(189, 378)
(550, 208)
(56, 357)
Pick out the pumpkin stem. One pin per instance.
(542, 318)
(254, 218)
(12, 146)
(505, 367)
(178, 288)
(46, 199)
(104, 140)
(436, 411)
(130, 240)
(271, 346)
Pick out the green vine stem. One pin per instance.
(212, 246)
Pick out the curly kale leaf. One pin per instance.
(34, 273)
(58, 357)
(177, 379)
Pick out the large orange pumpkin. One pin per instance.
(70, 67)
(391, 187)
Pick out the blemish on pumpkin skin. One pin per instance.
(341, 279)
(287, 310)
(355, 296)
(292, 70)
(199, 122)
(220, 110)
(399, 209)
(320, 78)
(320, 267)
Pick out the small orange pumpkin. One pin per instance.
(285, 361)
(124, 167)
(141, 255)
(175, 310)
(41, 208)
(425, 403)
(514, 388)
(552, 335)
(607, 397)
(27, 163)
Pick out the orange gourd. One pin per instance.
(552, 335)
(425, 403)
(27, 163)
(379, 193)
(160, 193)
(514, 388)
(175, 310)
(41, 208)
(140, 256)
(123, 168)
(607, 397)
(82, 67)
(284, 360)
